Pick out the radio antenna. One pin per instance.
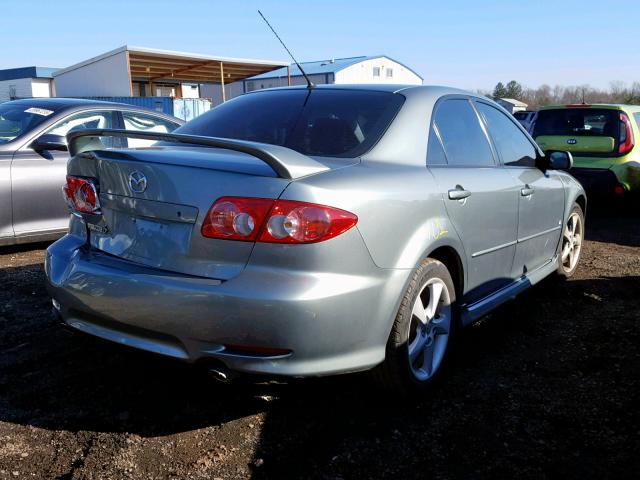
(310, 84)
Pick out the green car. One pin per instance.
(601, 139)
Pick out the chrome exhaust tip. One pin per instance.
(222, 375)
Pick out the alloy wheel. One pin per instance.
(429, 329)
(572, 236)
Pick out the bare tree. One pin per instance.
(618, 92)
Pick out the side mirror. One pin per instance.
(559, 160)
(49, 141)
(555, 160)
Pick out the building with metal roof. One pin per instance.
(147, 72)
(512, 105)
(375, 69)
(26, 82)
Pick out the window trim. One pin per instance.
(436, 132)
(535, 146)
(432, 124)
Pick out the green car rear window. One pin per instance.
(590, 122)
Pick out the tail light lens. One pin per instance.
(299, 222)
(235, 218)
(626, 135)
(274, 221)
(619, 190)
(81, 195)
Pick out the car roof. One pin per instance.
(61, 104)
(373, 87)
(58, 102)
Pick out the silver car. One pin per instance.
(318, 231)
(33, 157)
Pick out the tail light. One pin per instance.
(626, 135)
(81, 195)
(235, 218)
(298, 222)
(274, 221)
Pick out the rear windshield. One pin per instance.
(521, 115)
(589, 122)
(334, 123)
(17, 118)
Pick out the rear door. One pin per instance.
(541, 195)
(481, 198)
(37, 178)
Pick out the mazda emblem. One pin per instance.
(137, 182)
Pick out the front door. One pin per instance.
(541, 195)
(540, 217)
(481, 198)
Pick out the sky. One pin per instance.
(461, 43)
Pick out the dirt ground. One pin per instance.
(546, 387)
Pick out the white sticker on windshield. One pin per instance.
(39, 111)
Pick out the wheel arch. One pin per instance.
(451, 259)
(581, 200)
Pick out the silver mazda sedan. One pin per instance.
(313, 231)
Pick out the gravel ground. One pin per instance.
(546, 387)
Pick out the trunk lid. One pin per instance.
(154, 201)
(587, 131)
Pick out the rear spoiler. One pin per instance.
(285, 162)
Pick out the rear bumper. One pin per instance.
(331, 322)
(597, 181)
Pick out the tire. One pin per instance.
(570, 247)
(413, 338)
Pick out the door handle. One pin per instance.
(527, 191)
(459, 193)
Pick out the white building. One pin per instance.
(26, 82)
(512, 105)
(364, 69)
(146, 72)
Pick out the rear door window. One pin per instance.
(637, 117)
(465, 143)
(512, 145)
(141, 122)
(87, 120)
